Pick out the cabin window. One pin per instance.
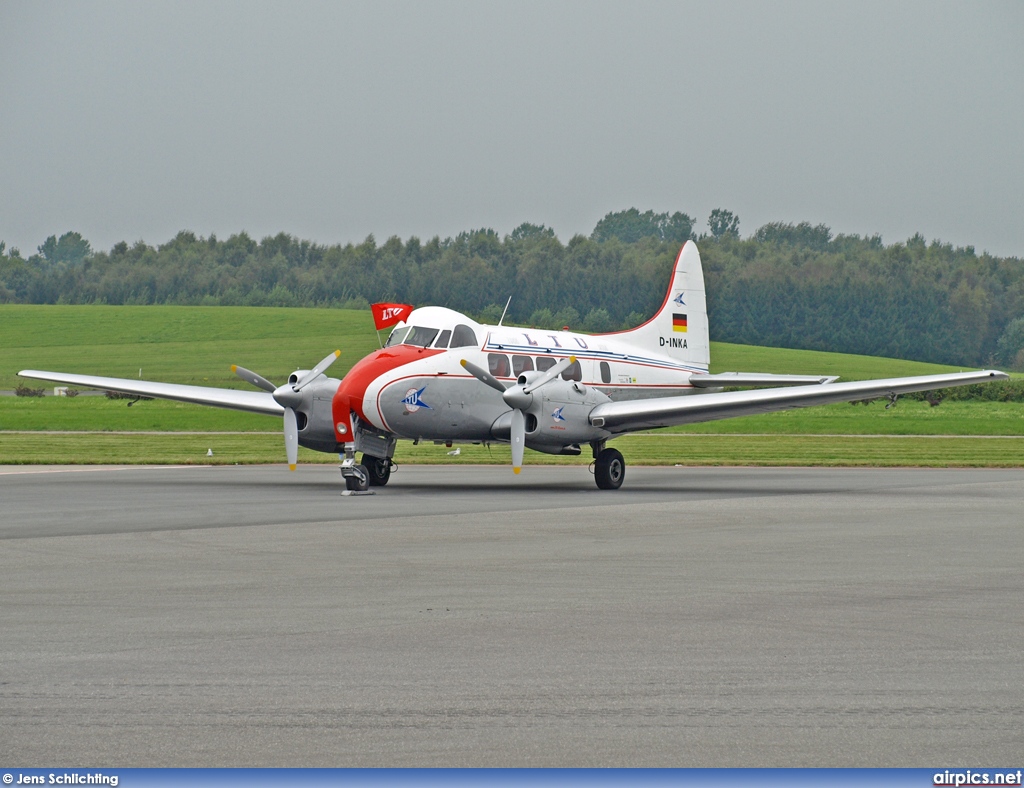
(521, 364)
(397, 336)
(573, 372)
(606, 372)
(545, 362)
(497, 363)
(442, 341)
(464, 336)
(420, 336)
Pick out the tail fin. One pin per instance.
(679, 329)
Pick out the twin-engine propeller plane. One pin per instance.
(443, 377)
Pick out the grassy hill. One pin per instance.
(177, 344)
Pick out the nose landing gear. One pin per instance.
(372, 472)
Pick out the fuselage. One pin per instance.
(416, 388)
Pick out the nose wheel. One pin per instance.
(609, 469)
(356, 477)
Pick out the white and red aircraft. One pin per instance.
(446, 378)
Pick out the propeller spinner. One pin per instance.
(289, 397)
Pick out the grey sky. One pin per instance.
(334, 120)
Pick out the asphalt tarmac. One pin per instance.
(462, 616)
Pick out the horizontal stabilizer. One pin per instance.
(757, 379)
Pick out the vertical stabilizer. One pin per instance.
(679, 329)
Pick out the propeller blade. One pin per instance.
(550, 374)
(483, 376)
(518, 439)
(291, 438)
(318, 370)
(249, 376)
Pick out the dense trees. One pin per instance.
(723, 223)
(788, 285)
(71, 248)
(630, 226)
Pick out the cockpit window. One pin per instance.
(464, 336)
(442, 341)
(397, 336)
(420, 336)
(412, 335)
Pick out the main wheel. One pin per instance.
(609, 469)
(360, 482)
(378, 468)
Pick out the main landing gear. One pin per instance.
(609, 467)
(378, 469)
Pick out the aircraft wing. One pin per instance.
(630, 415)
(251, 401)
(756, 379)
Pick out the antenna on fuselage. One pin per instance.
(505, 310)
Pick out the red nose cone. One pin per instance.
(348, 399)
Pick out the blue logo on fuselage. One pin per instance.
(413, 402)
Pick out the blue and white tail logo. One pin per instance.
(679, 300)
(413, 402)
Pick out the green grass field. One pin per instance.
(175, 344)
(198, 344)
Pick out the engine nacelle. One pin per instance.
(557, 417)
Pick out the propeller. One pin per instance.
(288, 397)
(483, 376)
(519, 397)
(249, 376)
(316, 371)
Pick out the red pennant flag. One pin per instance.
(385, 315)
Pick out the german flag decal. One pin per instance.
(679, 323)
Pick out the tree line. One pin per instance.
(787, 285)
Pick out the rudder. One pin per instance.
(679, 328)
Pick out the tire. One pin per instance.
(609, 469)
(358, 483)
(378, 468)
